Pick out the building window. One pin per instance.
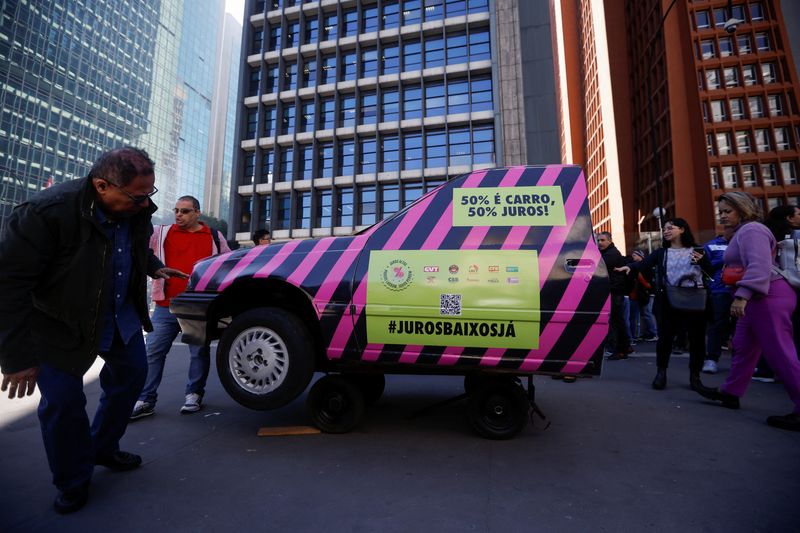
(772, 203)
(775, 102)
(329, 28)
(479, 46)
(325, 163)
(724, 143)
(730, 177)
(254, 82)
(411, 192)
(391, 14)
(350, 23)
(756, 11)
(412, 151)
(287, 165)
(411, 13)
(390, 200)
(725, 46)
(457, 49)
(367, 202)
(390, 106)
(302, 211)
(347, 158)
(258, 40)
(327, 114)
(456, 8)
(712, 79)
(324, 218)
(412, 59)
(265, 211)
(713, 173)
(756, 106)
(483, 145)
(731, 77)
(349, 66)
(763, 143)
(749, 74)
(710, 150)
(431, 184)
(370, 14)
(306, 171)
(769, 174)
(458, 96)
(288, 122)
(267, 166)
(247, 213)
(269, 121)
(328, 69)
(460, 147)
(292, 34)
(309, 73)
(434, 10)
(782, 140)
(249, 168)
(789, 171)
(390, 60)
(435, 100)
(274, 37)
(390, 154)
(707, 49)
(434, 53)
(312, 30)
(737, 108)
(743, 145)
(282, 218)
(368, 161)
(347, 118)
(369, 62)
(344, 206)
(252, 123)
(749, 176)
(436, 148)
(703, 20)
(369, 108)
(745, 44)
(762, 41)
(718, 111)
(290, 77)
(481, 99)
(768, 73)
(412, 102)
(720, 17)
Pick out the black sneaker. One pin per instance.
(790, 422)
(119, 461)
(69, 501)
(142, 409)
(728, 400)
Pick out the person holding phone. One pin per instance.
(676, 263)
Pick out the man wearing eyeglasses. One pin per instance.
(73, 266)
(179, 245)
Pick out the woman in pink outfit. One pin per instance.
(763, 303)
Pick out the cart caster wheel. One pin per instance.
(336, 405)
(498, 409)
(370, 385)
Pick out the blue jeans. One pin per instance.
(159, 342)
(719, 329)
(70, 443)
(648, 328)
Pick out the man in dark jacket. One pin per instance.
(73, 266)
(620, 287)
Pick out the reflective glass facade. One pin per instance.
(352, 110)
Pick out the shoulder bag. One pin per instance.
(687, 298)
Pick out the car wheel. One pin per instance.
(498, 408)
(370, 385)
(336, 405)
(265, 358)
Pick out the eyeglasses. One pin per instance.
(138, 199)
(184, 210)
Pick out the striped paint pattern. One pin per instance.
(333, 272)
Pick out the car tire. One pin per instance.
(265, 358)
(370, 385)
(335, 404)
(498, 408)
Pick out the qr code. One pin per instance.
(450, 304)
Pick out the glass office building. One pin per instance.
(350, 110)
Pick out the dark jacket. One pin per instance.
(654, 266)
(54, 261)
(618, 280)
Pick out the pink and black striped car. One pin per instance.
(495, 275)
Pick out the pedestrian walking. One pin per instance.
(677, 270)
(180, 246)
(73, 263)
(720, 299)
(618, 333)
(763, 304)
(642, 321)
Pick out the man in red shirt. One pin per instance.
(180, 246)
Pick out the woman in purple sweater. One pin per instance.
(763, 303)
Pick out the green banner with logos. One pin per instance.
(465, 298)
(509, 206)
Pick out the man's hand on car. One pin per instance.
(167, 272)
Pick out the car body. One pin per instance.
(494, 272)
